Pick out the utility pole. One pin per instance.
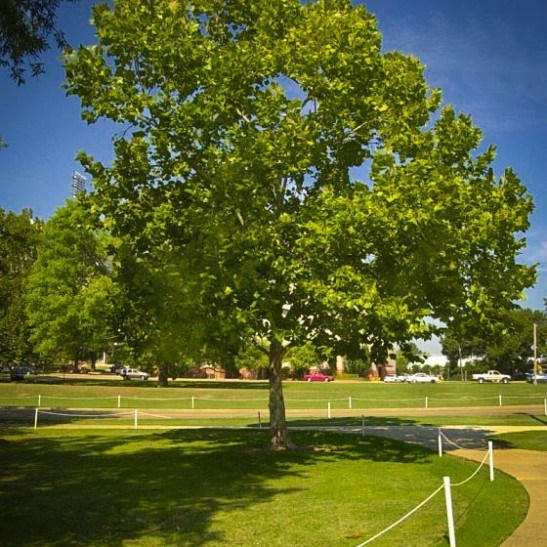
(535, 353)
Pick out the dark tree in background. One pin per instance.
(28, 28)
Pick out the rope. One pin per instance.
(85, 415)
(411, 512)
(154, 415)
(452, 442)
(135, 398)
(77, 398)
(473, 474)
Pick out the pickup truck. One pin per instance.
(492, 376)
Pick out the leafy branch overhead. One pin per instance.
(311, 188)
(27, 29)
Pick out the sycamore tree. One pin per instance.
(70, 296)
(311, 188)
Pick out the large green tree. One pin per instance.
(19, 239)
(309, 185)
(70, 296)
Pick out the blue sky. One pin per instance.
(489, 57)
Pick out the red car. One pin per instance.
(318, 377)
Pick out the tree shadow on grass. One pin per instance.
(107, 489)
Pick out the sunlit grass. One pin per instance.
(114, 393)
(217, 487)
(526, 440)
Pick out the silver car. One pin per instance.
(133, 373)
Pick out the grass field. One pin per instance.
(95, 392)
(525, 440)
(217, 404)
(222, 487)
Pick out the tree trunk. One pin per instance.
(93, 359)
(163, 376)
(230, 368)
(279, 436)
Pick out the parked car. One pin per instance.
(318, 377)
(539, 378)
(492, 376)
(391, 378)
(133, 373)
(422, 378)
(396, 378)
(117, 369)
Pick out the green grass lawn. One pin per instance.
(526, 440)
(96, 392)
(223, 487)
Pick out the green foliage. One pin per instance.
(19, 238)
(70, 296)
(303, 357)
(509, 348)
(245, 123)
(252, 357)
(26, 29)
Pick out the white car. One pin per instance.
(422, 378)
(396, 378)
(390, 378)
(129, 373)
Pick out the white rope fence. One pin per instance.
(99, 415)
(350, 402)
(402, 519)
(447, 486)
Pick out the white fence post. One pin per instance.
(491, 453)
(39, 401)
(35, 419)
(328, 411)
(119, 401)
(440, 444)
(500, 401)
(350, 403)
(449, 514)
(136, 426)
(426, 403)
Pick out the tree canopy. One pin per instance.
(19, 239)
(70, 295)
(310, 186)
(508, 348)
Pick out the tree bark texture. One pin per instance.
(279, 437)
(163, 375)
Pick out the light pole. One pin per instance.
(535, 352)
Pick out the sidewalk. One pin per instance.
(530, 469)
